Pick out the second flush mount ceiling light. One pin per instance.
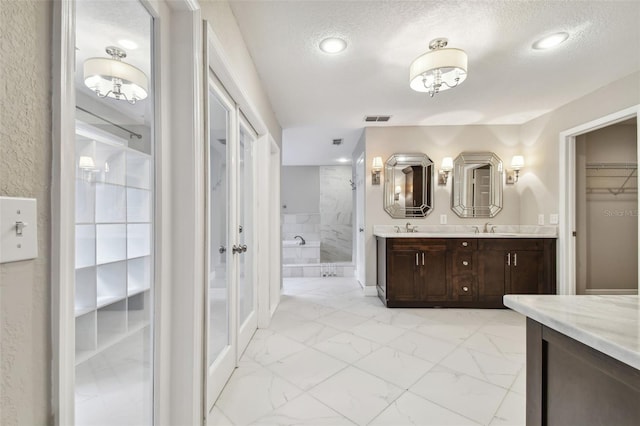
(113, 78)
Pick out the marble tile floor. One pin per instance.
(332, 356)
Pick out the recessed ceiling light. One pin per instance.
(333, 45)
(343, 160)
(550, 41)
(128, 44)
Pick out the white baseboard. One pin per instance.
(370, 290)
(610, 291)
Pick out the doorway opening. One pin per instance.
(568, 228)
(607, 210)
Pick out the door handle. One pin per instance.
(515, 259)
(508, 259)
(222, 249)
(236, 249)
(422, 258)
(361, 229)
(417, 264)
(244, 248)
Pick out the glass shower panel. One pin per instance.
(114, 164)
(245, 209)
(219, 334)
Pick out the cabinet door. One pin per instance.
(492, 275)
(434, 273)
(403, 284)
(526, 272)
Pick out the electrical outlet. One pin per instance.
(553, 218)
(541, 219)
(443, 219)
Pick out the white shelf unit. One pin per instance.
(113, 241)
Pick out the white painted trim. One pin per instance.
(567, 176)
(63, 213)
(275, 227)
(612, 291)
(370, 290)
(221, 66)
(184, 217)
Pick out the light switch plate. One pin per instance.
(13, 212)
(443, 219)
(541, 219)
(553, 219)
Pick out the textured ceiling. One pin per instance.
(318, 96)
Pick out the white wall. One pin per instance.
(300, 187)
(25, 171)
(225, 26)
(437, 142)
(539, 186)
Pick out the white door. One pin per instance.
(231, 314)
(247, 259)
(360, 187)
(220, 312)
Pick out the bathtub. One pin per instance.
(295, 253)
(295, 243)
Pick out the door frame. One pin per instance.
(177, 379)
(567, 184)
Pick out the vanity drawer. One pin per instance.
(465, 244)
(464, 288)
(464, 262)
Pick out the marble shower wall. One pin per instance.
(336, 207)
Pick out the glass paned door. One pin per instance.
(221, 293)
(115, 192)
(247, 283)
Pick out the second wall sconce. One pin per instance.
(376, 167)
(445, 169)
(517, 163)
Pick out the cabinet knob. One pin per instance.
(464, 244)
(465, 288)
(465, 263)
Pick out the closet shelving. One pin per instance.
(612, 178)
(113, 240)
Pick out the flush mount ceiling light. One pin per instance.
(439, 69)
(110, 77)
(333, 45)
(550, 41)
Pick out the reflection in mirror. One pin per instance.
(408, 185)
(477, 184)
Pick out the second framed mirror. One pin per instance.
(477, 184)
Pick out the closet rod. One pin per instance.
(138, 135)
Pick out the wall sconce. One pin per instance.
(397, 192)
(517, 163)
(445, 169)
(376, 167)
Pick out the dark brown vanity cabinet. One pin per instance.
(458, 272)
(419, 271)
(516, 266)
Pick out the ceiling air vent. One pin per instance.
(337, 141)
(377, 118)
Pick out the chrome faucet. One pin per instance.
(410, 228)
(476, 229)
(486, 227)
(302, 241)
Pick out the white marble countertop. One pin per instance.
(609, 324)
(465, 231)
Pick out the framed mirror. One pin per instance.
(408, 185)
(477, 184)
